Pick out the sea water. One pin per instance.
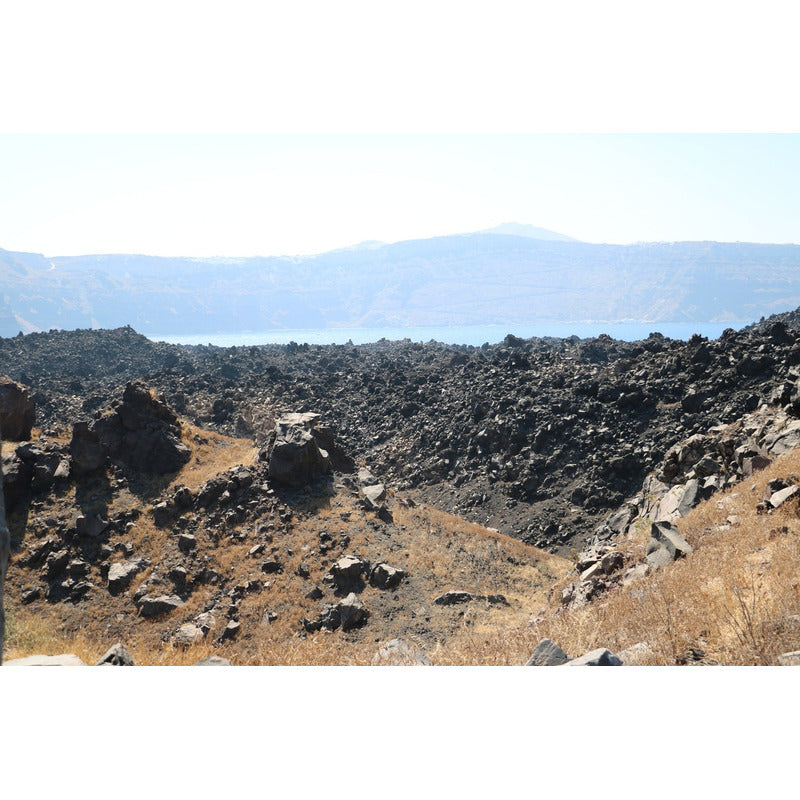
(475, 335)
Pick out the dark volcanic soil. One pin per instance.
(538, 438)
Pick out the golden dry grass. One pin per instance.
(735, 600)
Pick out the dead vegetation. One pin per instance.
(735, 600)
(438, 552)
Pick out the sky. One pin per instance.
(272, 194)
(177, 128)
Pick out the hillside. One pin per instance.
(159, 514)
(537, 438)
(481, 278)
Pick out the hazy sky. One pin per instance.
(238, 195)
(182, 127)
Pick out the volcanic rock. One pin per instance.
(116, 656)
(86, 450)
(143, 432)
(296, 458)
(17, 411)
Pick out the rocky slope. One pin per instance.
(537, 438)
(127, 510)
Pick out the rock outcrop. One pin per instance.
(17, 411)
(295, 457)
(142, 432)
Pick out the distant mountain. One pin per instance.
(477, 278)
(530, 231)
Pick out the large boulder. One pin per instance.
(547, 654)
(143, 432)
(666, 544)
(116, 656)
(296, 458)
(17, 411)
(87, 453)
(17, 475)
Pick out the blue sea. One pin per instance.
(457, 334)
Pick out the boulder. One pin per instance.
(385, 577)
(296, 459)
(547, 654)
(143, 432)
(778, 498)
(374, 496)
(666, 544)
(638, 654)
(213, 661)
(352, 612)
(17, 476)
(156, 606)
(86, 451)
(116, 656)
(17, 411)
(121, 573)
(349, 572)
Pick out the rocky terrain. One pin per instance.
(537, 438)
(302, 489)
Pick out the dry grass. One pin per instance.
(735, 600)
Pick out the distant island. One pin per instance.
(511, 274)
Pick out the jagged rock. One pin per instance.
(121, 573)
(777, 499)
(17, 476)
(352, 612)
(63, 660)
(156, 606)
(547, 654)
(231, 631)
(596, 658)
(666, 544)
(31, 594)
(56, 563)
(374, 496)
(17, 411)
(187, 542)
(349, 572)
(366, 478)
(296, 458)
(385, 577)
(116, 656)
(86, 451)
(399, 653)
(143, 432)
